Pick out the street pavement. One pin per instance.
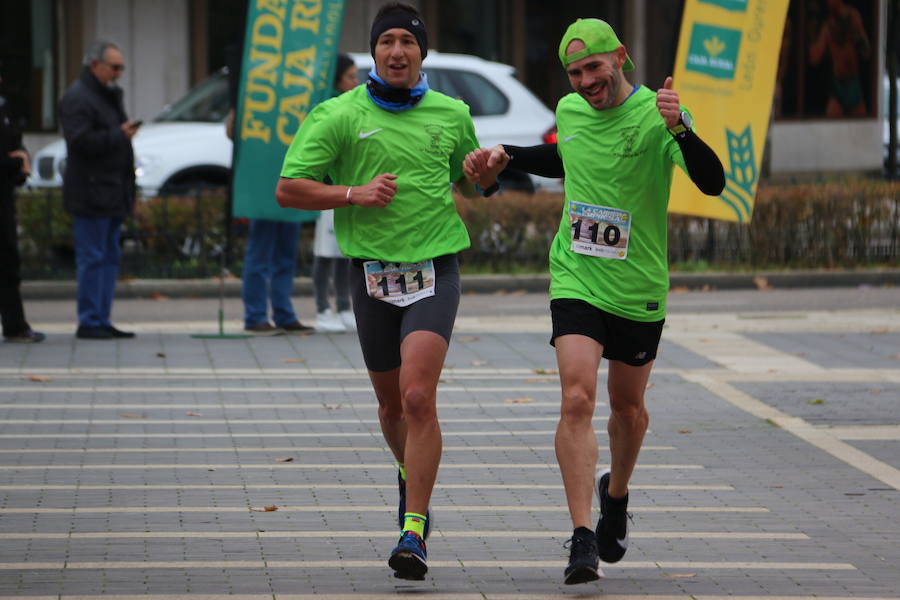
(143, 468)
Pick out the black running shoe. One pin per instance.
(408, 559)
(584, 564)
(612, 528)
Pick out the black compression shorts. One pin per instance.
(382, 326)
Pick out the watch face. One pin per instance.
(687, 120)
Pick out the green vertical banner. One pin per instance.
(288, 66)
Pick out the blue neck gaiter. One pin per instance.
(395, 99)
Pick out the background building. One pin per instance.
(169, 45)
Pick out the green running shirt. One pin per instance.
(620, 159)
(352, 140)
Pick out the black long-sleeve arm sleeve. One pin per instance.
(541, 160)
(703, 166)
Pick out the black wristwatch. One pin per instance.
(685, 124)
(491, 190)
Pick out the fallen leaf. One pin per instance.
(684, 431)
(467, 338)
(540, 380)
(894, 356)
(193, 414)
(39, 378)
(500, 292)
(680, 575)
(479, 363)
(293, 360)
(876, 391)
(762, 283)
(519, 400)
(160, 355)
(158, 296)
(879, 331)
(132, 416)
(519, 293)
(545, 371)
(815, 402)
(271, 508)
(680, 289)
(288, 459)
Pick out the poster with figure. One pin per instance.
(830, 61)
(287, 69)
(725, 70)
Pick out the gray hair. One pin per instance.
(97, 51)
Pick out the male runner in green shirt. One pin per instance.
(618, 144)
(392, 148)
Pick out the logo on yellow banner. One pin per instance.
(741, 177)
(713, 51)
(739, 5)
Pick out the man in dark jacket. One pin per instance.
(14, 168)
(98, 184)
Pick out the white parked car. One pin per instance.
(186, 146)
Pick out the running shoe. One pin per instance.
(408, 558)
(401, 507)
(612, 528)
(584, 564)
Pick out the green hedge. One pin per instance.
(851, 224)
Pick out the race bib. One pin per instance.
(399, 284)
(599, 230)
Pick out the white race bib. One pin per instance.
(599, 230)
(399, 284)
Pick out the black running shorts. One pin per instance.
(382, 326)
(632, 342)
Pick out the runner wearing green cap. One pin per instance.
(618, 144)
(392, 149)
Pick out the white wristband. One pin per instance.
(347, 196)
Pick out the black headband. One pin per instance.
(401, 20)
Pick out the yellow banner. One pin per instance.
(725, 75)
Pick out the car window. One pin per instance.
(482, 96)
(208, 102)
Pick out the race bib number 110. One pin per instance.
(399, 284)
(599, 230)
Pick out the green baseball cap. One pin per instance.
(598, 38)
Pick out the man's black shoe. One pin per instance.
(118, 333)
(612, 528)
(93, 333)
(584, 564)
(29, 336)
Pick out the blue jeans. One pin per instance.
(97, 261)
(269, 261)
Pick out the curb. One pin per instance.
(482, 284)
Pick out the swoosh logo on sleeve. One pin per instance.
(364, 135)
(571, 137)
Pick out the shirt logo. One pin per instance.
(628, 144)
(571, 137)
(434, 132)
(364, 135)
